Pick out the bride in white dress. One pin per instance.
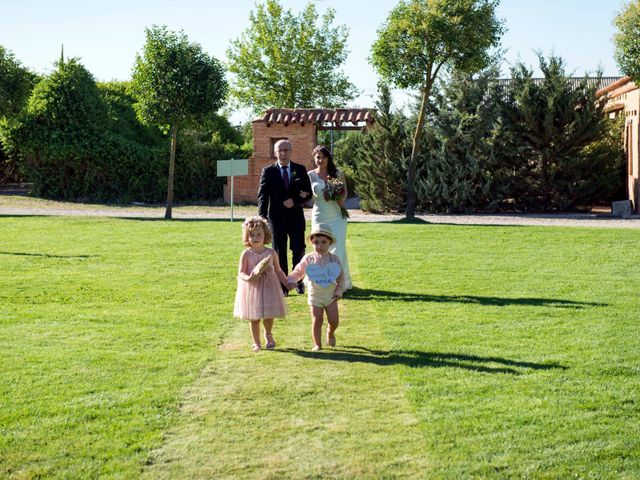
(329, 212)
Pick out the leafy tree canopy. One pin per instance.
(16, 83)
(422, 36)
(174, 80)
(627, 40)
(288, 61)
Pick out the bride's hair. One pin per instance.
(332, 170)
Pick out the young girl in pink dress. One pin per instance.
(259, 295)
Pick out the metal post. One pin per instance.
(232, 189)
(228, 169)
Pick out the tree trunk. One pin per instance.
(415, 152)
(172, 163)
(546, 183)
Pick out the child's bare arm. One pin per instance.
(297, 273)
(243, 269)
(276, 265)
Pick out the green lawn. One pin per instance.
(464, 352)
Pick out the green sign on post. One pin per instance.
(236, 167)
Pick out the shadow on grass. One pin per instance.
(420, 221)
(17, 215)
(46, 255)
(370, 294)
(407, 221)
(418, 359)
(237, 220)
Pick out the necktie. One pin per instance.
(285, 177)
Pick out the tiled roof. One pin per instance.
(622, 81)
(317, 115)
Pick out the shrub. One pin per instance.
(16, 83)
(78, 140)
(196, 174)
(457, 167)
(559, 126)
(377, 159)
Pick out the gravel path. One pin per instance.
(19, 206)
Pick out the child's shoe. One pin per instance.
(256, 347)
(316, 348)
(271, 343)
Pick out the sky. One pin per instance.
(106, 35)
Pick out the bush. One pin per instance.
(16, 83)
(59, 137)
(559, 127)
(456, 169)
(196, 175)
(532, 145)
(78, 140)
(63, 140)
(345, 153)
(377, 159)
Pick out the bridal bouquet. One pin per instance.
(333, 191)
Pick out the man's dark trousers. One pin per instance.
(287, 224)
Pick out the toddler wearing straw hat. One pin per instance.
(324, 278)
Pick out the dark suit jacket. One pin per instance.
(272, 194)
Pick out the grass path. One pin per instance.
(465, 352)
(339, 413)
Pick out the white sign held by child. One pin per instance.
(323, 275)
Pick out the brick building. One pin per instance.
(624, 99)
(300, 127)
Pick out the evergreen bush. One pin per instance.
(378, 163)
(560, 126)
(456, 170)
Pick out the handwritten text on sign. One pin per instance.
(323, 275)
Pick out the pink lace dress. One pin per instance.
(261, 297)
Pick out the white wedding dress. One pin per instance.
(328, 213)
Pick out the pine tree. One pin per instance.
(458, 170)
(555, 122)
(380, 169)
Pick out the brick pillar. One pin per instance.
(303, 140)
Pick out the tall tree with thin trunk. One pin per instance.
(175, 83)
(422, 38)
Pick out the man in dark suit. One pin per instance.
(284, 188)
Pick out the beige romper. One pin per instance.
(319, 296)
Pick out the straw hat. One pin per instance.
(322, 229)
